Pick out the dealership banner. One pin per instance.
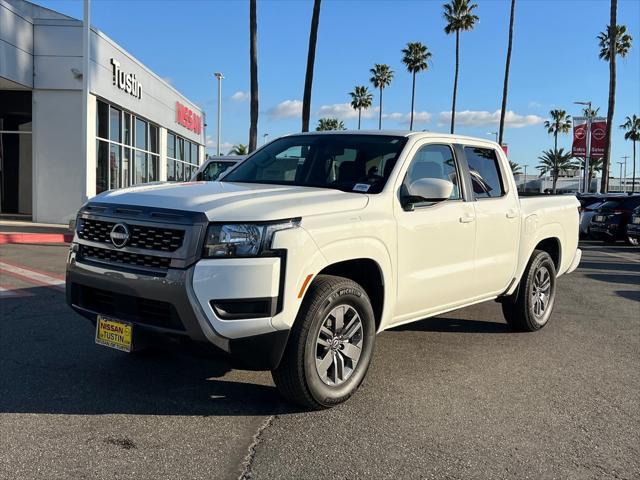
(579, 147)
(598, 137)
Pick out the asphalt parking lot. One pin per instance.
(457, 396)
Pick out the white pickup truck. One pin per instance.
(297, 258)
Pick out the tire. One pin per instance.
(523, 311)
(301, 376)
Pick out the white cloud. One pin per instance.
(286, 109)
(418, 117)
(240, 96)
(224, 146)
(481, 118)
(344, 111)
(534, 104)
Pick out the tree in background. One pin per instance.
(253, 68)
(460, 17)
(555, 162)
(239, 149)
(326, 124)
(516, 169)
(560, 123)
(609, 49)
(415, 57)
(595, 165)
(632, 127)
(381, 76)
(590, 112)
(361, 98)
(311, 58)
(507, 66)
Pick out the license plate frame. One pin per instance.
(114, 333)
(599, 218)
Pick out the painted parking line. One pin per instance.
(12, 292)
(32, 276)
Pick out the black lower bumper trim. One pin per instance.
(260, 352)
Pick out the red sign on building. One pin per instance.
(188, 118)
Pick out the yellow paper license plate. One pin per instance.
(114, 333)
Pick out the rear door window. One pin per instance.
(485, 172)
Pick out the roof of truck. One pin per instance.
(398, 133)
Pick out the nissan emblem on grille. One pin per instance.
(119, 235)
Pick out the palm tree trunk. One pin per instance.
(633, 184)
(311, 57)
(555, 180)
(253, 42)
(506, 74)
(413, 97)
(555, 140)
(359, 116)
(380, 112)
(455, 83)
(604, 185)
(589, 180)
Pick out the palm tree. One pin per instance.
(555, 162)
(595, 165)
(239, 149)
(610, 41)
(459, 16)
(381, 78)
(632, 127)
(253, 68)
(590, 112)
(515, 168)
(311, 58)
(416, 57)
(361, 98)
(326, 124)
(505, 87)
(560, 123)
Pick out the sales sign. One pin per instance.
(598, 137)
(579, 147)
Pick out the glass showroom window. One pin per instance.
(182, 158)
(127, 149)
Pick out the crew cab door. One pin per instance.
(497, 212)
(435, 240)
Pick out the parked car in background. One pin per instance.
(633, 228)
(610, 220)
(213, 167)
(586, 214)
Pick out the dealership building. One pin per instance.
(61, 142)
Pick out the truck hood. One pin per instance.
(230, 201)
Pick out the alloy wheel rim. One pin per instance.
(541, 293)
(339, 345)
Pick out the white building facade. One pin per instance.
(139, 129)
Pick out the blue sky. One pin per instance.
(555, 61)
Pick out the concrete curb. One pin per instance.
(21, 237)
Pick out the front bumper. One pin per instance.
(179, 304)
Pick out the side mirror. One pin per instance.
(427, 190)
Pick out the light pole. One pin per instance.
(524, 185)
(587, 152)
(220, 77)
(493, 133)
(264, 138)
(625, 172)
(621, 163)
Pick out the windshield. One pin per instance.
(355, 163)
(213, 170)
(610, 205)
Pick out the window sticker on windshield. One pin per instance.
(361, 187)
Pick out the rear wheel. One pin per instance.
(532, 305)
(330, 346)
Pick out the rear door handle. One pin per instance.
(467, 218)
(513, 213)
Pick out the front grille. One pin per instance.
(124, 258)
(126, 307)
(141, 236)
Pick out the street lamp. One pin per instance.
(264, 138)
(587, 152)
(625, 157)
(220, 77)
(621, 163)
(493, 133)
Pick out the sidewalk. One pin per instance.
(28, 232)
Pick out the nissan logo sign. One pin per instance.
(119, 235)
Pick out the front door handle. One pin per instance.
(467, 218)
(512, 213)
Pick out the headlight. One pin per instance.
(226, 240)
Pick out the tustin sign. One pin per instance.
(188, 119)
(127, 82)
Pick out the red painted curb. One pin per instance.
(6, 238)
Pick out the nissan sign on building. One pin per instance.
(139, 129)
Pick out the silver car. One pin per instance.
(213, 167)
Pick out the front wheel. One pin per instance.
(330, 345)
(531, 307)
